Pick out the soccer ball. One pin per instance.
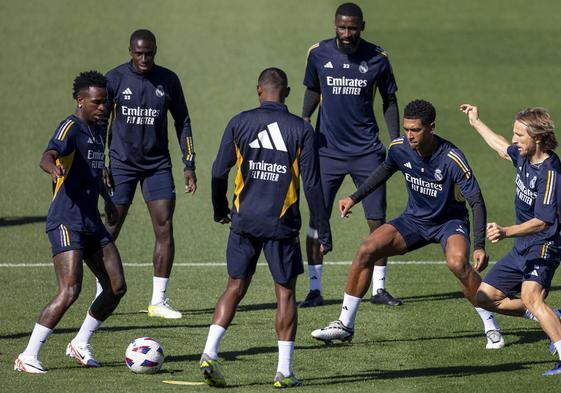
(144, 356)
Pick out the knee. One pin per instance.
(483, 300)
(163, 230)
(366, 253)
(458, 265)
(120, 291)
(530, 299)
(70, 293)
(238, 289)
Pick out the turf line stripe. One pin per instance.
(211, 264)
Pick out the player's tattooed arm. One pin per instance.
(391, 115)
(311, 101)
(48, 164)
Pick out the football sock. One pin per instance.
(314, 272)
(159, 287)
(98, 288)
(215, 334)
(349, 310)
(38, 337)
(88, 328)
(558, 347)
(286, 349)
(378, 279)
(530, 316)
(488, 319)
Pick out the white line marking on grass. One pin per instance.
(211, 264)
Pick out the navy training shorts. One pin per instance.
(63, 239)
(155, 185)
(283, 256)
(333, 172)
(418, 235)
(537, 263)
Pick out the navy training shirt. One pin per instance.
(272, 149)
(346, 123)
(139, 129)
(536, 196)
(75, 195)
(437, 185)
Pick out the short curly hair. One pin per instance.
(420, 109)
(540, 126)
(87, 79)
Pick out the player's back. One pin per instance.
(268, 143)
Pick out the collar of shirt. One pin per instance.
(274, 105)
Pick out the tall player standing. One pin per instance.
(140, 95)
(344, 73)
(74, 158)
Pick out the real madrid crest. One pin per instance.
(160, 91)
(363, 67)
(533, 182)
(438, 175)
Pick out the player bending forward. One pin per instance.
(434, 171)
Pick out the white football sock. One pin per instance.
(349, 310)
(88, 328)
(530, 316)
(558, 347)
(315, 272)
(215, 334)
(378, 279)
(159, 287)
(286, 349)
(38, 337)
(488, 319)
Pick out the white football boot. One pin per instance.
(495, 340)
(336, 330)
(29, 364)
(83, 354)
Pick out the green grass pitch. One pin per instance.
(501, 55)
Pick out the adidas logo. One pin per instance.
(127, 93)
(90, 140)
(408, 165)
(345, 308)
(328, 65)
(263, 140)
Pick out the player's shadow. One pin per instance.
(447, 372)
(444, 296)
(512, 336)
(248, 307)
(235, 355)
(13, 221)
(110, 329)
(433, 297)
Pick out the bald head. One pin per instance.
(272, 85)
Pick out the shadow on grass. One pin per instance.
(512, 336)
(235, 355)
(448, 372)
(109, 329)
(13, 221)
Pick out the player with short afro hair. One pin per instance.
(87, 79)
(349, 9)
(420, 109)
